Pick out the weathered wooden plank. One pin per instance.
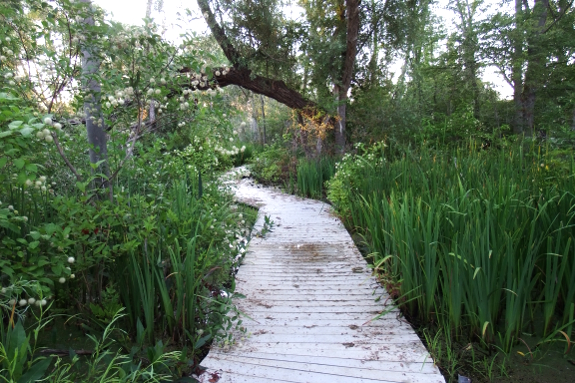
(213, 376)
(323, 322)
(308, 300)
(331, 330)
(306, 373)
(292, 316)
(392, 353)
(425, 367)
(340, 339)
(394, 371)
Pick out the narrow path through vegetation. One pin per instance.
(309, 304)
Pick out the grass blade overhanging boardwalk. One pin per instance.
(309, 303)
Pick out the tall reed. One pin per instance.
(483, 239)
(312, 174)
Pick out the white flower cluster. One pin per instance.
(45, 133)
(12, 291)
(15, 212)
(120, 97)
(40, 183)
(229, 152)
(183, 103)
(9, 76)
(30, 301)
(8, 51)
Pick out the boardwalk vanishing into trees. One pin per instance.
(310, 303)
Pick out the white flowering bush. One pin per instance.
(81, 230)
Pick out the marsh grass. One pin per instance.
(482, 240)
(311, 176)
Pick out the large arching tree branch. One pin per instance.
(242, 76)
(275, 89)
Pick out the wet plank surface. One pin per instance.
(311, 303)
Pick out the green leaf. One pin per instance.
(57, 269)
(3, 161)
(81, 186)
(36, 372)
(202, 341)
(27, 131)
(47, 281)
(9, 226)
(34, 245)
(7, 96)
(51, 228)
(15, 124)
(43, 262)
(5, 134)
(19, 163)
(32, 168)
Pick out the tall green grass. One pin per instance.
(168, 284)
(480, 240)
(312, 174)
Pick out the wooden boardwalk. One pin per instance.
(310, 298)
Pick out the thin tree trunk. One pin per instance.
(304, 135)
(264, 136)
(341, 122)
(467, 14)
(534, 67)
(93, 112)
(352, 32)
(254, 119)
(517, 70)
(152, 116)
(373, 73)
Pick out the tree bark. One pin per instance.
(275, 89)
(534, 66)
(93, 112)
(352, 31)
(467, 14)
(254, 119)
(264, 135)
(517, 70)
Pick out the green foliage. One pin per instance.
(349, 171)
(155, 236)
(479, 240)
(16, 360)
(311, 176)
(273, 165)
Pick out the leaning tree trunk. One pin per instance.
(93, 112)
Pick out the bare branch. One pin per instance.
(66, 160)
